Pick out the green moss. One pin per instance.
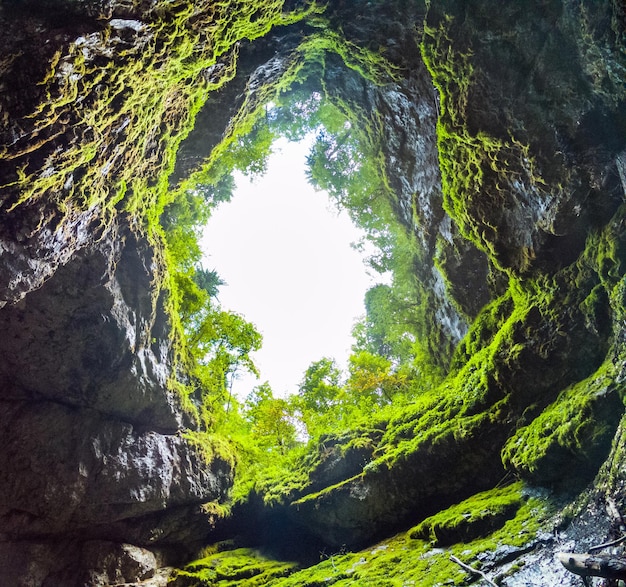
(212, 447)
(242, 567)
(115, 112)
(476, 517)
(469, 394)
(479, 171)
(520, 352)
(572, 435)
(483, 329)
(277, 480)
(403, 561)
(371, 65)
(134, 108)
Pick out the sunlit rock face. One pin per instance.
(406, 113)
(99, 335)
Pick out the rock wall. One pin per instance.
(523, 212)
(94, 453)
(99, 480)
(504, 137)
(530, 136)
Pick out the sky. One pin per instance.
(286, 256)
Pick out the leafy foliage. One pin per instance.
(319, 394)
(270, 420)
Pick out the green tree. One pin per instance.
(386, 329)
(270, 419)
(319, 396)
(220, 345)
(217, 190)
(372, 381)
(320, 385)
(209, 281)
(333, 164)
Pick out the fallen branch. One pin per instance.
(607, 544)
(472, 570)
(589, 565)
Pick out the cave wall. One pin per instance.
(99, 482)
(94, 456)
(504, 141)
(530, 139)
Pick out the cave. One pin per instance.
(482, 421)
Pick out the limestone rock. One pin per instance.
(117, 563)
(99, 333)
(72, 470)
(94, 447)
(503, 138)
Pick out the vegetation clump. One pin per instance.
(476, 517)
(229, 567)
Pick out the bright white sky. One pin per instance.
(285, 254)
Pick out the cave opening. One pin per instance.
(347, 117)
(287, 256)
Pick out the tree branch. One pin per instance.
(472, 570)
(607, 544)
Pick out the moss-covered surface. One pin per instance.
(133, 112)
(531, 384)
(232, 566)
(507, 174)
(476, 517)
(565, 443)
(476, 168)
(509, 517)
(539, 385)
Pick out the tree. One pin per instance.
(386, 330)
(218, 190)
(319, 396)
(220, 345)
(373, 381)
(333, 164)
(225, 334)
(270, 419)
(209, 281)
(320, 386)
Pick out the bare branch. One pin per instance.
(472, 570)
(607, 544)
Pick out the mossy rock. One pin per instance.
(342, 457)
(565, 444)
(243, 567)
(473, 518)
